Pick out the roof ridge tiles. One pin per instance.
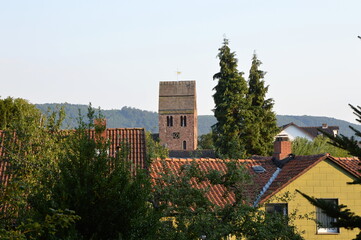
(211, 159)
(346, 158)
(132, 128)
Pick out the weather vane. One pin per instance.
(178, 73)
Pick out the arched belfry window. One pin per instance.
(184, 145)
(183, 121)
(169, 121)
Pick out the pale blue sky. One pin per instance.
(114, 53)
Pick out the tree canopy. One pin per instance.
(231, 106)
(14, 111)
(64, 185)
(261, 126)
(246, 124)
(319, 145)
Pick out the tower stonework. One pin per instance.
(178, 115)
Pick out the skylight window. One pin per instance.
(258, 169)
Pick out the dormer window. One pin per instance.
(258, 169)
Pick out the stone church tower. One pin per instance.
(178, 115)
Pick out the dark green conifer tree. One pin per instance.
(231, 106)
(261, 126)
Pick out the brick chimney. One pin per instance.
(100, 125)
(282, 148)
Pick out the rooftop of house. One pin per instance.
(203, 153)
(314, 131)
(294, 168)
(131, 140)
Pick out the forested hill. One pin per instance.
(124, 118)
(132, 117)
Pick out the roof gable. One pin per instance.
(291, 171)
(311, 132)
(292, 131)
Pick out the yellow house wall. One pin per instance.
(325, 180)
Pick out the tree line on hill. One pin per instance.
(133, 117)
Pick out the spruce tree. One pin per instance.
(231, 106)
(261, 126)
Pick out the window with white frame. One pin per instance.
(324, 222)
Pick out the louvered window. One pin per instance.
(169, 121)
(183, 121)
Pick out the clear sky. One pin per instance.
(113, 53)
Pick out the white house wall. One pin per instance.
(293, 132)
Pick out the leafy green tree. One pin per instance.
(205, 141)
(320, 145)
(189, 213)
(231, 106)
(111, 200)
(30, 149)
(261, 125)
(16, 111)
(64, 185)
(154, 148)
(345, 217)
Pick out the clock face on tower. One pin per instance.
(176, 135)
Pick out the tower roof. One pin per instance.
(177, 97)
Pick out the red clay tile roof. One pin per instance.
(203, 153)
(134, 138)
(216, 192)
(290, 171)
(175, 165)
(351, 165)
